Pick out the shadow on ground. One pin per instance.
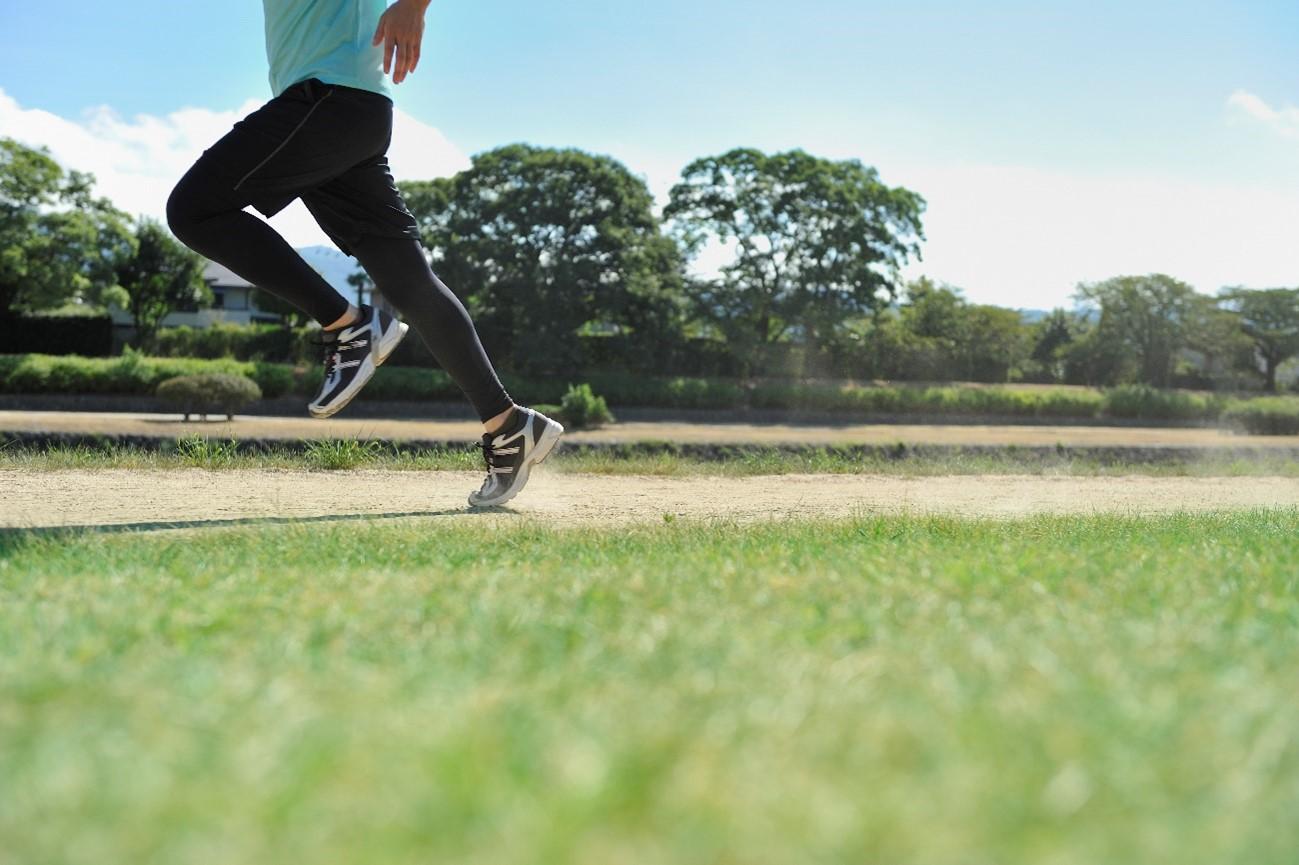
(11, 538)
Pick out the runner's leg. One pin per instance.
(212, 223)
(363, 213)
(298, 140)
(402, 273)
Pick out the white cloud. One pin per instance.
(136, 161)
(1024, 237)
(1282, 121)
(1010, 235)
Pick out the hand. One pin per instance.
(401, 30)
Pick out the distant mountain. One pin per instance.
(333, 266)
(1033, 316)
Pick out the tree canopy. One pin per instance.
(815, 242)
(161, 277)
(1270, 318)
(546, 244)
(58, 243)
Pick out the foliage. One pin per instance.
(1148, 318)
(161, 277)
(1267, 416)
(816, 241)
(582, 409)
(210, 393)
(550, 242)
(1143, 402)
(135, 374)
(1270, 319)
(132, 373)
(238, 341)
(58, 243)
(946, 338)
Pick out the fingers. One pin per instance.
(399, 68)
(407, 60)
(401, 45)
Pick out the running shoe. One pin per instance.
(352, 354)
(526, 440)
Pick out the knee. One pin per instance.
(181, 213)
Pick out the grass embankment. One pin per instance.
(134, 374)
(894, 690)
(346, 454)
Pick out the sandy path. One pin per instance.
(451, 430)
(147, 498)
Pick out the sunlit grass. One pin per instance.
(1062, 690)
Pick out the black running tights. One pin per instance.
(255, 251)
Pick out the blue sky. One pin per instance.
(1055, 141)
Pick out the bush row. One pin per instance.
(135, 374)
(131, 373)
(1265, 416)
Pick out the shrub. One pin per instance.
(209, 394)
(265, 342)
(582, 409)
(1272, 416)
(1142, 402)
(275, 379)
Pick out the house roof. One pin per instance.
(219, 274)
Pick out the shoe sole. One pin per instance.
(545, 446)
(387, 346)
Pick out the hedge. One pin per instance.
(85, 335)
(131, 373)
(1266, 416)
(135, 374)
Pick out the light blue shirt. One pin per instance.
(325, 39)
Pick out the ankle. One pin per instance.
(494, 425)
(352, 315)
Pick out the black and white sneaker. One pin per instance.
(526, 441)
(352, 354)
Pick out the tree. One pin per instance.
(1150, 317)
(816, 242)
(994, 343)
(1051, 339)
(546, 244)
(161, 277)
(1270, 318)
(953, 339)
(58, 243)
(1224, 354)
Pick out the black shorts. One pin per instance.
(323, 143)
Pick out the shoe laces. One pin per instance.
(333, 351)
(496, 458)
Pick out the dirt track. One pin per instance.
(150, 499)
(682, 433)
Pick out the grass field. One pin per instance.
(893, 690)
